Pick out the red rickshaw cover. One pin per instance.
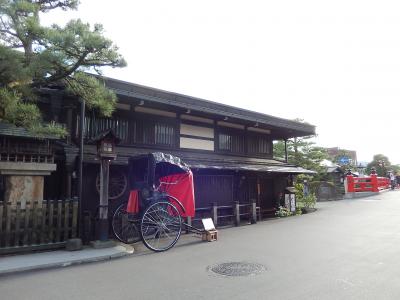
(181, 187)
(133, 202)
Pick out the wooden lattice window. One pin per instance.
(231, 141)
(95, 125)
(160, 133)
(259, 145)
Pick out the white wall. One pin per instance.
(191, 143)
(197, 131)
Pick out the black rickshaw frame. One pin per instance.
(161, 204)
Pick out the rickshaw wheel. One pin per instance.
(124, 225)
(161, 226)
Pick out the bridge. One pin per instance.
(356, 187)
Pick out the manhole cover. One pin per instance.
(237, 269)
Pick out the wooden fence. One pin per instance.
(37, 225)
(227, 214)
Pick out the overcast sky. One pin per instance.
(335, 64)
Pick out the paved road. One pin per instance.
(348, 249)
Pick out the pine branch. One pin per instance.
(8, 32)
(46, 5)
(58, 76)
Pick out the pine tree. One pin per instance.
(33, 56)
(301, 152)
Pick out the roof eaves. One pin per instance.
(261, 118)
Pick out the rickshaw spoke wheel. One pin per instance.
(161, 226)
(124, 225)
(117, 184)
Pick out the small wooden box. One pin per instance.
(210, 235)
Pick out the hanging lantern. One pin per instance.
(106, 145)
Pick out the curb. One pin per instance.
(359, 195)
(128, 250)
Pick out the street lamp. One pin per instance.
(381, 164)
(106, 151)
(361, 169)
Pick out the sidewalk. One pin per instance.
(60, 258)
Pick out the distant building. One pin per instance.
(343, 156)
(332, 188)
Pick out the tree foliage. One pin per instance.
(381, 164)
(302, 152)
(396, 169)
(33, 56)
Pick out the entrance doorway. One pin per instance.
(262, 189)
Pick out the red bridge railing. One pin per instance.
(372, 183)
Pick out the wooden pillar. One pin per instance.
(80, 165)
(103, 208)
(374, 182)
(68, 185)
(151, 167)
(253, 217)
(69, 123)
(350, 183)
(258, 192)
(286, 151)
(237, 213)
(215, 214)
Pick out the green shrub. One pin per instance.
(298, 187)
(309, 201)
(298, 211)
(283, 212)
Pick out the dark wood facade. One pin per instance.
(28, 220)
(229, 149)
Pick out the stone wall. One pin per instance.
(19, 188)
(24, 182)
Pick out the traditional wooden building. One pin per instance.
(229, 149)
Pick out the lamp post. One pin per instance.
(381, 164)
(106, 151)
(80, 166)
(361, 169)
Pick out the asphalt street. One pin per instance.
(348, 249)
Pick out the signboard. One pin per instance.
(344, 160)
(290, 202)
(293, 203)
(287, 201)
(208, 224)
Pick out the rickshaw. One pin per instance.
(158, 202)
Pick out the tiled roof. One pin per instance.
(7, 129)
(154, 95)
